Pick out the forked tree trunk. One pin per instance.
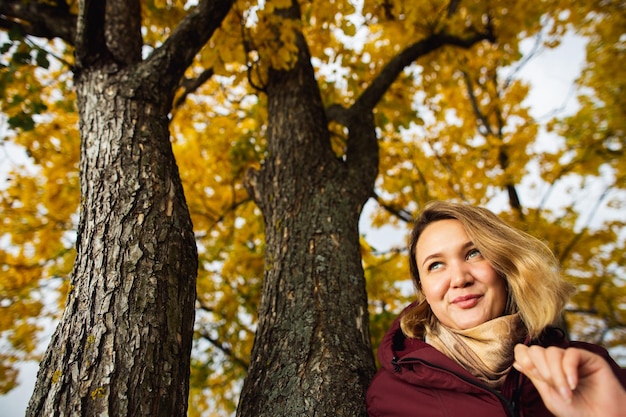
(312, 354)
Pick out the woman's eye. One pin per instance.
(473, 253)
(434, 265)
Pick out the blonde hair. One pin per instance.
(534, 285)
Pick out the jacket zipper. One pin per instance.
(510, 407)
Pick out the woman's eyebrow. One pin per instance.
(431, 256)
(467, 245)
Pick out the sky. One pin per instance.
(551, 75)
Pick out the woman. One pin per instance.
(482, 287)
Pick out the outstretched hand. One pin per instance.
(572, 382)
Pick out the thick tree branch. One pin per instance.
(122, 31)
(108, 32)
(374, 92)
(39, 19)
(193, 32)
(362, 151)
(362, 155)
(90, 43)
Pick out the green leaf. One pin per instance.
(42, 59)
(22, 121)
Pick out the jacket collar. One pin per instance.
(420, 364)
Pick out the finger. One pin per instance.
(538, 356)
(544, 367)
(521, 360)
(530, 362)
(579, 364)
(548, 363)
(572, 360)
(555, 373)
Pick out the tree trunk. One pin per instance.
(123, 345)
(312, 353)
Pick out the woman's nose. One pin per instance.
(460, 276)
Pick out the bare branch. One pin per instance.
(39, 19)
(482, 118)
(596, 206)
(190, 85)
(400, 213)
(222, 347)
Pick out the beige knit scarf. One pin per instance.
(486, 351)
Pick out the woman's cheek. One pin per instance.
(434, 289)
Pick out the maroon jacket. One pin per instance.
(417, 380)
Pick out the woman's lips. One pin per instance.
(466, 301)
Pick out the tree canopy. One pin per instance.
(451, 118)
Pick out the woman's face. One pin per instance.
(461, 287)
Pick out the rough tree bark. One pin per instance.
(122, 347)
(312, 353)
(123, 344)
